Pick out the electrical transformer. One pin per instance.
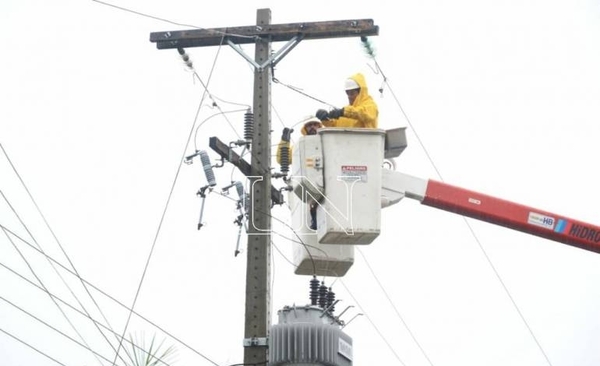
(308, 336)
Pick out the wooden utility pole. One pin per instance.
(258, 272)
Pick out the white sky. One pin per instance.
(502, 95)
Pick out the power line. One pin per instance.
(74, 272)
(356, 301)
(97, 323)
(32, 347)
(59, 244)
(144, 15)
(506, 290)
(479, 244)
(42, 283)
(395, 308)
(347, 290)
(155, 240)
(84, 345)
(373, 324)
(424, 150)
(204, 94)
(105, 294)
(300, 91)
(221, 113)
(207, 92)
(205, 86)
(306, 246)
(157, 18)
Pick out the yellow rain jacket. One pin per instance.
(363, 113)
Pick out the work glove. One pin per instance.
(285, 136)
(321, 114)
(336, 113)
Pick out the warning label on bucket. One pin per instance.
(354, 173)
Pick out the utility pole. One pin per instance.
(258, 271)
(258, 267)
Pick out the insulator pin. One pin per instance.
(323, 295)
(284, 154)
(208, 170)
(248, 126)
(314, 291)
(330, 300)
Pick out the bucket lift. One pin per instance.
(340, 171)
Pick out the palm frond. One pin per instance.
(154, 355)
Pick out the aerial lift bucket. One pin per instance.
(350, 211)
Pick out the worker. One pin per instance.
(361, 111)
(310, 127)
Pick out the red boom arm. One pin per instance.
(512, 215)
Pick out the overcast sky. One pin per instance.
(500, 97)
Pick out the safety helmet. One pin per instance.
(308, 121)
(351, 84)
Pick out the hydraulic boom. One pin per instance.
(493, 210)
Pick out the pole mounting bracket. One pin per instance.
(255, 342)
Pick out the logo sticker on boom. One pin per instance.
(540, 220)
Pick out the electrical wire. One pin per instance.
(223, 34)
(208, 118)
(232, 103)
(373, 324)
(42, 284)
(283, 255)
(57, 241)
(96, 322)
(385, 81)
(507, 291)
(272, 262)
(299, 91)
(78, 276)
(145, 15)
(32, 347)
(101, 292)
(277, 115)
(166, 20)
(337, 276)
(264, 170)
(414, 130)
(351, 295)
(410, 332)
(314, 265)
(204, 94)
(207, 92)
(298, 236)
(288, 86)
(299, 241)
(155, 240)
(306, 247)
(84, 345)
(479, 244)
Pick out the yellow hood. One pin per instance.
(307, 121)
(364, 91)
